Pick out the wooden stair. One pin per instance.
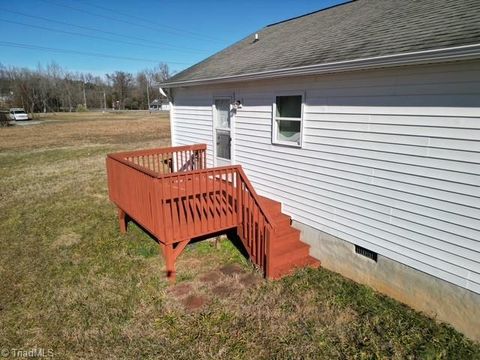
(287, 251)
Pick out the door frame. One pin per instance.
(225, 162)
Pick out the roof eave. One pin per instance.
(465, 52)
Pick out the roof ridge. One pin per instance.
(310, 13)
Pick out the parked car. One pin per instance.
(18, 114)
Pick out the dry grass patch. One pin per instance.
(211, 277)
(66, 240)
(180, 290)
(99, 115)
(194, 302)
(87, 129)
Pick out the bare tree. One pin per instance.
(157, 75)
(52, 88)
(122, 83)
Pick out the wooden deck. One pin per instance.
(172, 194)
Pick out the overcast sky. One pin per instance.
(108, 35)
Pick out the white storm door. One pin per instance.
(222, 132)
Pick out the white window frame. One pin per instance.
(275, 140)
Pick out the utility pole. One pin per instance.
(84, 97)
(104, 101)
(148, 98)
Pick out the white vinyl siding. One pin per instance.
(390, 160)
(192, 123)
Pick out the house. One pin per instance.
(363, 121)
(159, 104)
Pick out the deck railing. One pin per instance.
(175, 197)
(165, 160)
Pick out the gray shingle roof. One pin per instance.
(355, 30)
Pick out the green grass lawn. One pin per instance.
(71, 283)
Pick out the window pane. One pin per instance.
(222, 107)
(223, 144)
(289, 106)
(289, 130)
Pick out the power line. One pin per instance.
(163, 25)
(122, 21)
(67, 51)
(79, 34)
(186, 49)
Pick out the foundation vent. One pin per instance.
(367, 253)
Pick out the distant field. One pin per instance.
(87, 128)
(97, 115)
(71, 284)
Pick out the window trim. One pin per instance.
(275, 140)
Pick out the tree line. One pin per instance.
(54, 89)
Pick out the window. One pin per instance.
(222, 129)
(287, 120)
(223, 144)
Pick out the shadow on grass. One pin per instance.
(231, 235)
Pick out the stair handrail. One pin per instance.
(270, 222)
(255, 196)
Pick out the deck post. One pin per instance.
(169, 254)
(122, 221)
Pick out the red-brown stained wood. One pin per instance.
(122, 221)
(171, 193)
